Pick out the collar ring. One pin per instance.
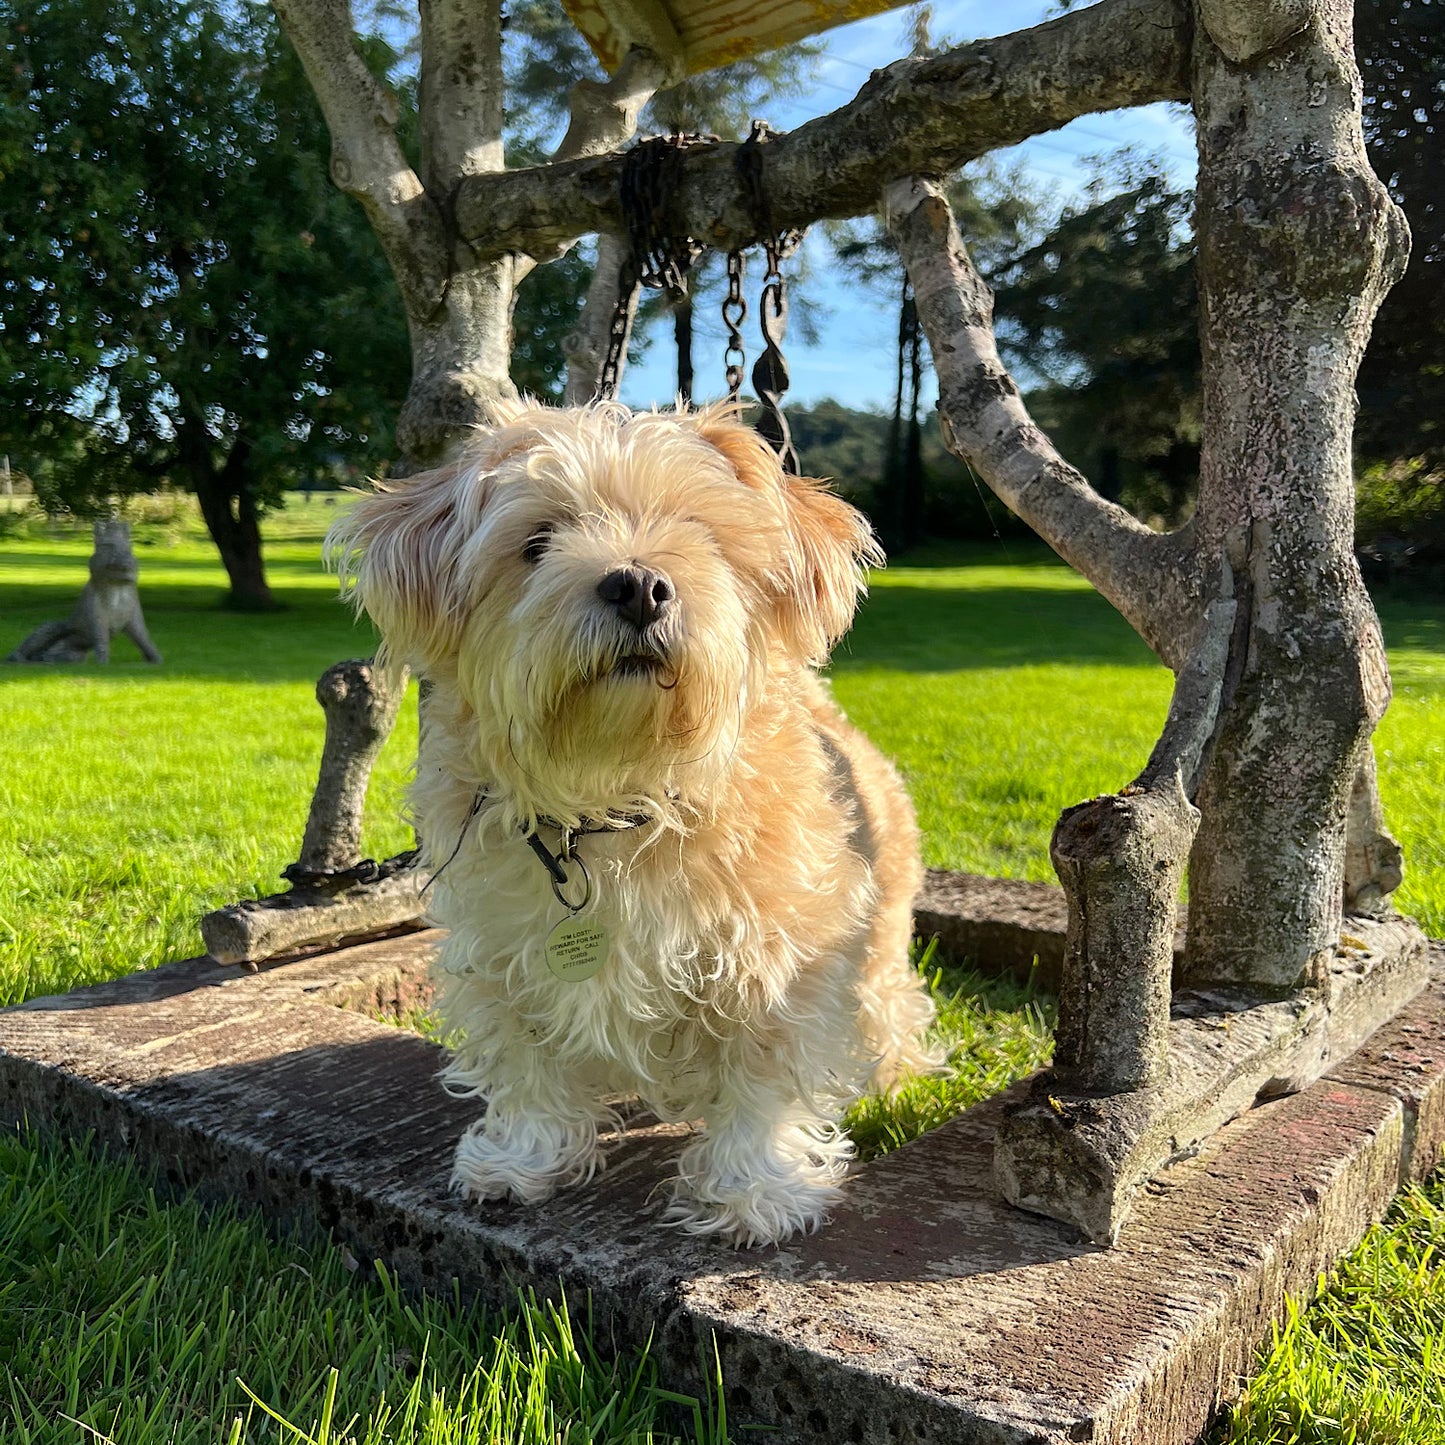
(574, 858)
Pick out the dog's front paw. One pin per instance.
(525, 1160)
(757, 1202)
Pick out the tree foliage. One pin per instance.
(1401, 49)
(1000, 212)
(1102, 313)
(850, 448)
(184, 296)
(545, 56)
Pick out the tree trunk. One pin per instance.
(228, 507)
(1374, 863)
(461, 356)
(234, 525)
(912, 499)
(1121, 860)
(895, 506)
(587, 346)
(360, 701)
(1298, 241)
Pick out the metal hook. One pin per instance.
(574, 857)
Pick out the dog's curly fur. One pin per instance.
(759, 915)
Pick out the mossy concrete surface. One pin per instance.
(1083, 1157)
(928, 1310)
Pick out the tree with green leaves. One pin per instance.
(1401, 45)
(1102, 313)
(184, 297)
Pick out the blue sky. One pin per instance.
(853, 359)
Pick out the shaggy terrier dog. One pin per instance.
(668, 865)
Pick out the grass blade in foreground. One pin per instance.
(126, 1318)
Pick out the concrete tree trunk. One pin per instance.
(458, 298)
(1298, 242)
(360, 701)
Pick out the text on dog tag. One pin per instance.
(577, 948)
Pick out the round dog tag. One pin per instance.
(577, 948)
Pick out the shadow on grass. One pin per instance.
(200, 639)
(916, 627)
(1414, 622)
(950, 629)
(904, 625)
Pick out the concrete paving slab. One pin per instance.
(1002, 924)
(927, 1311)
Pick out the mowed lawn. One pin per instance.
(132, 799)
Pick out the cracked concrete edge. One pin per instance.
(383, 977)
(1380, 965)
(1082, 1159)
(1405, 1059)
(1331, 1158)
(1233, 1236)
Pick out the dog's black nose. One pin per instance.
(639, 594)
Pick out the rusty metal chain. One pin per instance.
(749, 162)
(332, 880)
(660, 253)
(770, 372)
(617, 329)
(734, 313)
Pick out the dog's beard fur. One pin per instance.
(759, 914)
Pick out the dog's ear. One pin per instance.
(831, 544)
(398, 548)
(834, 546)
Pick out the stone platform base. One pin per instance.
(928, 1311)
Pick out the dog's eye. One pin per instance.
(536, 547)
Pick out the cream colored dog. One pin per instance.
(668, 865)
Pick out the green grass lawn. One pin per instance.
(133, 799)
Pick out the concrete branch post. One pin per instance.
(1374, 861)
(360, 701)
(585, 347)
(1121, 861)
(1298, 242)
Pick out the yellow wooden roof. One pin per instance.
(708, 32)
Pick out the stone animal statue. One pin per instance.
(108, 604)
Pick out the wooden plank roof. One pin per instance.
(706, 33)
